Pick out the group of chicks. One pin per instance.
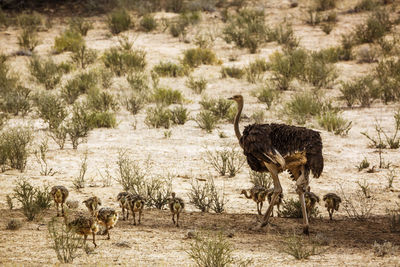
(259, 194)
(106, 216)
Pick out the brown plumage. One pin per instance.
(257, 194)
(332, 202)
(176, 206)
(59, 194)
(278, 203)
(107, 217)
(84, 225)
(122, 198)
(311, 200)
(92, 203)
(278, 147)
(136, 204)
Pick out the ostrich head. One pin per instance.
(243, 192)
(237, 98)
(173, 194)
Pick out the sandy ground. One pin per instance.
(156, 242)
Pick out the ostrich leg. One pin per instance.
(277, 191)
(302, 183)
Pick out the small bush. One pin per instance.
(80, 84)
(79, 181)
(382, 138)
(362, 91)
(303, 106)
(134, 103)
(10, 202)
(219, 107)
(333, 122)
(167, 96)
(158, 117)
(197, 85)
(363, 164)
(262, 179)
(79, 25)
(83, 56)
(46, 72)
(59, 135)
(158, 191)
(27, 40)
(367, 54)
(177, 27)
(284, 35)
(68, 41)
(247, 29)
(132, 176)
(138, 81)
(377, 25)
(103, 119)
(386, 248)
(319, 73)
(360, 205)
(206, 120)
(31, 22)
(387, 74)
(122, 61)
(345, 50)
(148, 23)
(198, 56)
(200, 195)
(328, 55)
(179, 115)
(366, 5)
(322, 5)
(169, 69)
(226, 161)
(14, 147)
(258, 116)
(265, 94)
(51, 109)
(78, 126)
(119, 21)
(292, 209)
(41, 158)
(16, 101)
(101, 100)
(13, 224)
(256, 69)
(233, 72)
(295, 246)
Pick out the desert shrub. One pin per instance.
(256, 69)
(366, 5)
(132, 176)
(59, 135)
(41, 158)
(119, 21)
(204, 40)
(148, 23)
(79, 181)
(50, 108)
(80, 25)
(386, 248)
(295, 246)
(258, 116)
(321, 5)
(83, 56)
(169, 69)
(219, 107)
(360, 205)
(16, 101)
(318, 72)
(225, 161)
(383, 139)
(10, 202)
(195, 57)
(367, 54)
(167, 96)
(266, 94)
(158, 116)
(247, 29)
(361, 91)
(206, 120)
(46, 71)
(178, 26)
(158, 191)
(68, 41)
(263, 179)
(102, 119)
(200, 195)
(101, 100)
(333, 122)
(64, 241)
(376, 26)
(197, 85)
(327, 55)
(387, 74)
(134, 103)
(303, 106)
(33, 199)
(80, 84)
(286, 67)
(233, 72)
(13, 224)
(14, 147)
(78, 126)
(218, 200)
(27, 40)
(394, 218)
(31, 21)
(122, 61)
(179, 115)
(106, 78)
(345, 50)
(284, 35)
(292, 209)
(363, 164)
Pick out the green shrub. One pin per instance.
(27, 40)
(134, 103)
(78, 126)
(102, 119)
(292, 209)
(206, 120)
(68, 41)
(14, 224)
(158, 191)
(226, 161)
(14, 147)
(83, 56)
(333, 122)
(367, 54)
(303, 106)
(101, 100)
(167, 96)
(387, 74)
(78, 85)
(284, 35)
(197, 85)
(362, 91)
(247, 29)
(296, 246)
(158, 117)
(266, 94)
(46, 71)
(16, 101)
(119, 21)
(321, 5)
(256, 69)
(345, 51)
(138, 81)
(366, 5)
(31, 22)
(79, 25)
(179, 115)
(327, 55)
(318, 72)
(198, 56)
(377, 25)
(233, 72)
(258, 116)
(177, 27)
(50, 108)
(169, 69)
(122, 61)
(219, 107)
(148, 23)
(106, 78)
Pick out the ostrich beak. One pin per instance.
(230, 98)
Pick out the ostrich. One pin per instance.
(176, 206)
(258, 194)
(275, 148)
(332, 202)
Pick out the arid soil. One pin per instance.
(156, 242)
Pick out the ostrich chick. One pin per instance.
(92, 204)
(122, 198)
(107, 217)
(257, 194)
(136, 204)
(84, 225)
(311, 199)
(176, 205)
(278, 203)
(332, 202)
(60, 194)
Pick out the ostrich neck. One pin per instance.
(245, 194)
(237, 119)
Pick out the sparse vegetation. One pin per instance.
(122, 60)
(362, 91)
(158, 116)
(51, 109)
(80, 25)
(83, 56)
(14, 224)
(233, 72)
(158, 190)
(148, 23)
(226, 161)
(206, 120)
(292, 209)
(386, 248)
(167, 96)
(360, 205)
(263, 179)
(266, 94)
(69, 40)
(363, 164)
(47, 72)
(197, 85)
(195, 57)
(79, 181)
(375, 27)
(332, 121)
(256, 69)
(303, 106)
(78, 126)
(200, 195)
(170, 69)
(295, 246)
(119, 21)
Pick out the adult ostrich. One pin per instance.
(275, 148)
